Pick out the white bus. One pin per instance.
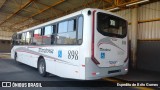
(88, 44)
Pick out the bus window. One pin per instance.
(54, 29)
(80, 30)
(29, 37)
(72, 25)
(37, 39)
(48, 30)
(23, 39)
(53, 39)
(110, 25)
(19, 36)
(64, 37)
(62, 27)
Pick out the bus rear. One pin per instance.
(109, 46)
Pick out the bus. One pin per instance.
(86, 45)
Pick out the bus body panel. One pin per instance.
(59, 62)
(24, 55)
(85, 47)
(66, 67)
(113, 48)
(95, 72)
(55, 64)
(109, 51)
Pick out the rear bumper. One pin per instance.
(92, 71)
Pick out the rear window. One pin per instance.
(109, 25)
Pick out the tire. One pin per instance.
(42, 67)
(15, 57)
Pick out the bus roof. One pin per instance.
(65, 17)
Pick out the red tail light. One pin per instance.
(94, 73)
(92, 45)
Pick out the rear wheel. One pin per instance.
(42, 67)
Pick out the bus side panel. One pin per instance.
(50, 65)
(31, 57)
(21, 57)
(85, 48)
(24, 55)
(67, 71)
(67, 61)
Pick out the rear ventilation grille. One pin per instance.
(113, 71)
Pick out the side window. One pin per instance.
(54, 29)
(62, 27)
(67, 32)
(80, 30)
(17, 39)
(37, 39)
(23, 39)
(72, 25)
(48, 30)
(53, 36)
(29, 37)
(19, 36)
